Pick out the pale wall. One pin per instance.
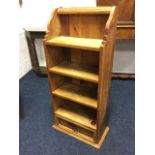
(24, 58)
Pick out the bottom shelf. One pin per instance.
(77, 130)
(77, 115)
(80, 137)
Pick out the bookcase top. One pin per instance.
(86, 10)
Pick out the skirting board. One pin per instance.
(97, 146)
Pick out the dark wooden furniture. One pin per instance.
(21, 111)
(126, 19)
(79, 46)
(31, 35)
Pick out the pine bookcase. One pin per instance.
(79, 45)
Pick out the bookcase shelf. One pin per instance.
(77, 71)
(85, 10)
(78, 116)
(79, 47)
(78, 94)
(73, 42)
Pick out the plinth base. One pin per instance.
(70, 133)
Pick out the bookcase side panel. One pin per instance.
(105, 73)
(54, 27)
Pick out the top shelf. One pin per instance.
(73, 42)
(85, 10)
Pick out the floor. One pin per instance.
(37, 137)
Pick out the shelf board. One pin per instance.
(76, 71)
(77, 115)
(79, 43)
(79, 94)
(85, 10)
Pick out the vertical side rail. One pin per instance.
(105, 72)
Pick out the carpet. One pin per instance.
(37, 137)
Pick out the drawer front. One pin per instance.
(76, 130)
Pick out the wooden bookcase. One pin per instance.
(79, 46)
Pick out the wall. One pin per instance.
(124, 56)
(35, 14)
(24, 58)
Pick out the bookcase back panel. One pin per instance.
(60, 54)
(56, 55)
(59, 80)
(84, 26)
(85, 58)
(87, 84)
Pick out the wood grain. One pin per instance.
(77, 116)
(81, 26)
(85, 10)
(79, 43)
(126, 8)
(125, 32)
(105, 72)
(126, 18)
(78, 94)
(82, 72)
(77, 130)
(81, 137)
(79, 55)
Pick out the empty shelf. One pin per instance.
(82, 72)
(77, 116)
(78, 94)
(72, 42)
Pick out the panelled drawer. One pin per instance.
(76, 130)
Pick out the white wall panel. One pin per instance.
(124, 57)
(40, 52)
(24, 58)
